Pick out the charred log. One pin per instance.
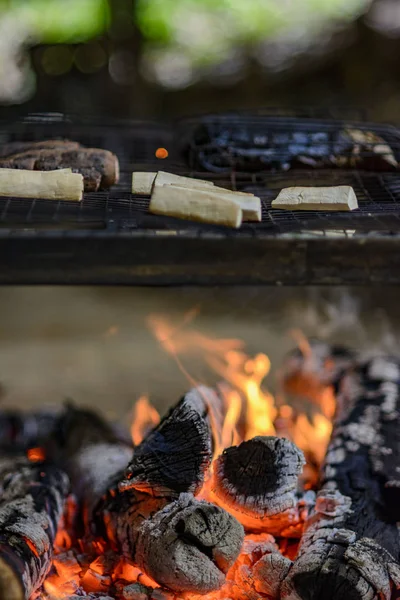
(174, 457)
(31, 503)
(157, 524)
(257, 482)
(351, 546)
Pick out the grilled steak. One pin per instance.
(100, 168)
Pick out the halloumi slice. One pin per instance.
(250, 204)
(143, 183)
(341, 197)
(50, 185)
(195, 205)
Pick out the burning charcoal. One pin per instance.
(173, 457)
(207, 528)
(92, 581)
(182, 543)
(31, 504)
(257, 573)
(258, 479)
(105, 564)
(90, 596)
(351, 545)
(136, 591)
(310, 370)
(67, 565)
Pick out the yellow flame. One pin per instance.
(145, 417)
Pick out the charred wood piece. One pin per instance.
(351, 547)
(32, 497)
(256, 575)
(175, 456)
(257, 482)
(139, 524)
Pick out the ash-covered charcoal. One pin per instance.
(178, 541)
(88, 597)
(100, 168)
(351, 547)
(32, 497)
(256, 575)
(223, 147)
(257, 482)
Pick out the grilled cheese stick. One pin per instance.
(341, 197)
(250, 204)
(50, 185)
(195, 205)
(143, 183)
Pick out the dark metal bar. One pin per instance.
(172, 258)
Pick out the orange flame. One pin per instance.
(249, 409)
(145, 417)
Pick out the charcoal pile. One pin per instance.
(84, 513)
(222, 145)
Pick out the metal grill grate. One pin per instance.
(135, 143)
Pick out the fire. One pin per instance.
(249, 410)
(145, 417)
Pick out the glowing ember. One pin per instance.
(36, 454)
(161, 153)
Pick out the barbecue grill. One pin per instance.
(111, 238)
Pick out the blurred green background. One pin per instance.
(161, 58)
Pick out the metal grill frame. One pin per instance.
(111, 239)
